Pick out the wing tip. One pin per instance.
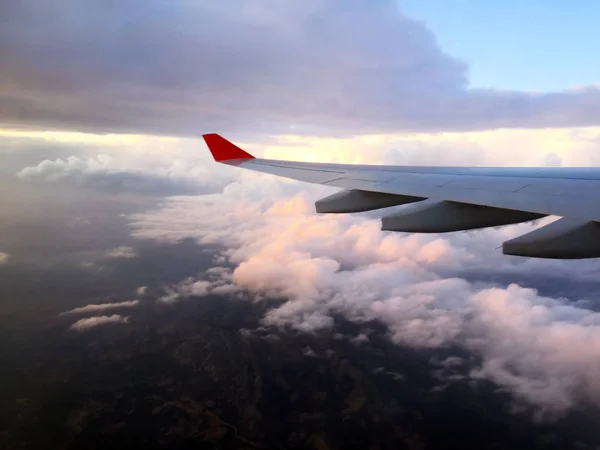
(223, 150)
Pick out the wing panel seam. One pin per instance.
(296, 168)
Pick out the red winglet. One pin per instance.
(223, 150)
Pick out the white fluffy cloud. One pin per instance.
(146, 165)
(544, 350)
(94, 308)
(107, 173)
(320, 66)
(93, 322)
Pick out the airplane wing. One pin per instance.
(446, 199)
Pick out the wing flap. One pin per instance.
(359, 201)
(445, 217)
(564, 239)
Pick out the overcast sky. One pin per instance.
(104, 101)
(318, 66)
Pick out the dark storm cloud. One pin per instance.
(183, 67)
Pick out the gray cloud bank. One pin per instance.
(182, 68)
(105, 174)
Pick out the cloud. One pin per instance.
(154, 166)
(360, 339)
(100, 260)
(97, 260)
(307, 351)
(105, 173)
(419, 286)
(94, 308)
(143, 165)
(219, 283)
(93, 322)
(123, 252)
(544, 350)
(3, 258)
(142, 290)
(181, 68)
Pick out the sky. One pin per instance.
(110, 101)
(516, 44)
(322, 67)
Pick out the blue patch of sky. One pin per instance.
(517, 44)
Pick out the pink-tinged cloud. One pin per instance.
(94, 308)
(417, 285)
(93, 322)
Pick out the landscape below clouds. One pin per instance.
(124, 267)
(172, 343)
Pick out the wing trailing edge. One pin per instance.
(564, 239)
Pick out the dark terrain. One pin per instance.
(192, 376)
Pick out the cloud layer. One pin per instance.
(182, 68)
(542, 350)
(106, 173)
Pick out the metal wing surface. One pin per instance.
(446, 199)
